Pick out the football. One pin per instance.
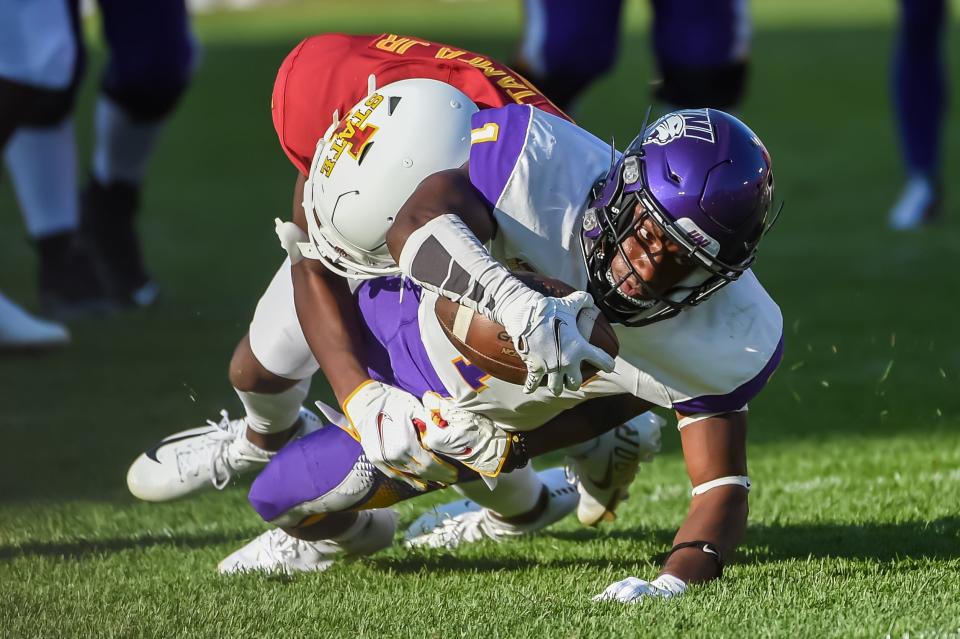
(487, 345)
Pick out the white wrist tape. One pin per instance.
(444, 256)
(291, 238)
(732, 480)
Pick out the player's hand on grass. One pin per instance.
(388, 421)
(473, 440)
(633, 590)
(545, 334)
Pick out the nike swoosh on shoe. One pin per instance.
(152, 453)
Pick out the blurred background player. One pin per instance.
(701, 48)
(919, 99)
(37, 66)
(89, 253)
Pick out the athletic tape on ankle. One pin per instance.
(732, 480)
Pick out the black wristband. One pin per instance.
(517, 457)
(705, 546)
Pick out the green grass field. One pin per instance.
(854, 446)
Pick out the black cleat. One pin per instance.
(70, 285)
(107, 215)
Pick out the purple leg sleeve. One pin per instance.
(152, 53)
(567, 44)
(303, 471)
(700, 33)
(919, 84)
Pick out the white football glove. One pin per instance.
(548, 340)
(473, 440)
(387, 421)
(633, 590)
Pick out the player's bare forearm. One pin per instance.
(446, 192)
(712, 448)
(583, 422)
(328, 316)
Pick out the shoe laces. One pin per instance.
(281, 547)
(473, 526)
(225, 433)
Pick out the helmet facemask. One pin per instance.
(611, 220)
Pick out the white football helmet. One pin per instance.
(368, 164)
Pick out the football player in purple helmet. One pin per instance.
(679, 216)
(662, 238)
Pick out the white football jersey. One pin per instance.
(537, 170)
(501, 401)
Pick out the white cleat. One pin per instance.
(21, 330)
(465, 521)
(277, 552)
(919, 204)
(204, 457)
(604, 471)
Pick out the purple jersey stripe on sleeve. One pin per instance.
(496, 142)
(395, 352)
(737, 398)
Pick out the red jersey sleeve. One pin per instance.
(329, 72)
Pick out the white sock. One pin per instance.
(123, 146)
(517, 492)
(272, 413)
(43, 167)
(372, 531)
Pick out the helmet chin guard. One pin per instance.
(368, 164)
(705, 180)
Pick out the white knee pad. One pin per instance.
(517, 492)
(275, 412)
(276, 338)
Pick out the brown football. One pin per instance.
(487, 345)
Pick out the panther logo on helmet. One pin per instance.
(689, 123)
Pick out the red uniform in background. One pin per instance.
(329, 72)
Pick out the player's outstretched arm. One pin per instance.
(715, 453)
(437, 239)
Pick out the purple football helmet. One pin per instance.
(705, 180)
